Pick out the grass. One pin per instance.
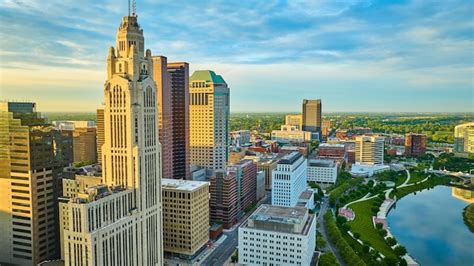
(416, 177)
(431, 182)
(362, 224)
(397, 177)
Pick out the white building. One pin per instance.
(120, 222)
(275, 235)
(240, 137)
(260, 185)
(289, 180)
(289, 133)
(367, 170)
(369, 149)
(322, 171)
(306, 199)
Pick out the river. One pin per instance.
(430, 225)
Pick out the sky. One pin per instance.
(355, 55)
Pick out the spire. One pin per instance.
(132, 8)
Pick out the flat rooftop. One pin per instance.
(185, 185)
(331, 145)
(279, 214)
(290, 158)
(307, 194)
(321, 163)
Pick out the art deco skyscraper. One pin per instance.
(120, 222)
(100, 133)
(209, 120)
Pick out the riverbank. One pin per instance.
(468, 217)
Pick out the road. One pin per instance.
(322, 229)
(222, 253)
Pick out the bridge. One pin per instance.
(462, 175)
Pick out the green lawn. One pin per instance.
(397, 177)
(432, 182)
(416, 177)
(362, 224)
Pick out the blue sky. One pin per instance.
(354, 55)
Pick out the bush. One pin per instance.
(390, 261)
(356, 235)
(379, 226)
(383, 232)
(327, 259)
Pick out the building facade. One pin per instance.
(179, 83)
(120, 222)
(268, 165)
(275, 235)
(291, 134)
(331, 150)
(294, 120)
(240, 137)
(31, 161)
(322, 171)
(369, 149)
(415, 144)
(464, 138)
(312, 116)
(246, 173)
(185, 216)
(100, 133)
(224, 198)
(209, 120)
(289, 180)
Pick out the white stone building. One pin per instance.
(322, 171)
(289, 180)
(275, 235)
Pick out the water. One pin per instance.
(430, 225)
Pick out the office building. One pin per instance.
(328, 150)
(260, 185)
(415, 144)
(289, 180)
(178, 74)
(32, 155)
(268, 165)
(306, 199)
(464, 138)
(246, 173)
(240, 137)
(312, 120)
(322, 171)
(165, 119)
(291, 134)
(275, 235)
(185, 216)
(294, 120)
(369, 149)
(224, 198)
(84, 139)
(326, 128)
(100, 133)
(119, 222)
(209, 120)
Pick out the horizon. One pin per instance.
(339, 52)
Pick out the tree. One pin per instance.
(327, 259)
(356, 235)
(391, 241)
(379, 226)
(400, 250)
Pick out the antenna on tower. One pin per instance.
(134, 7)
(129, 8)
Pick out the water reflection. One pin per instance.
(430, 225)
(463, 194)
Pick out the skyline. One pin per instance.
(426, 63)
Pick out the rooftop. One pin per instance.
(331, 145)
(279, 214)
(186, 185)
(307, 194)
(321, 163)
(207, 76)
(290, 158)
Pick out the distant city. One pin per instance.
(164, 174)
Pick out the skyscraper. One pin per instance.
(100, 133)
(369, 149)
(415, 144)
(179, 82)
(209, 120)
(289, 180)
(312, 120)
(120, 221)
(32, 155)
(294, 120)
(165, 119)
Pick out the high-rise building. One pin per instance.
(165, 116)
(209, 120)
(100, 133)
(267, 165)
(322, 171)
(326, 127)
(185, 216)
(464, 138)
(291, 134)
(369, 149)
(275, 235)
(246, 174)
(179, 82)
(415, 144)
(120, 222)
(224, 198)
(32, 155)
(312, 120)
(294, 120)
(84, 139)
(240, 137)
(289, 179)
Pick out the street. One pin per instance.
(322, 229)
